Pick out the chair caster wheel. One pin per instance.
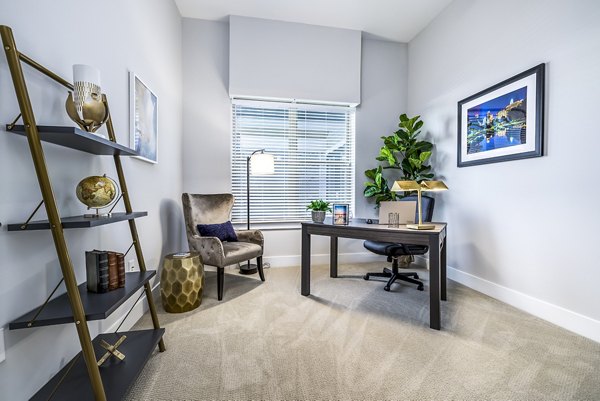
(416, 276)
(386, 288)
(420, 288)
(366, 277)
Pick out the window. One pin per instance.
(314, 158)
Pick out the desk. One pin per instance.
(358, 229)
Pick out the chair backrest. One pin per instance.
(427, 203)
(205, 209)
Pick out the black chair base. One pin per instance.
(394, 275)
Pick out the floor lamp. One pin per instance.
(258, 163)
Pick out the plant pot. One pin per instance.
(318, 216)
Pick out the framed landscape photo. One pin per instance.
(503, 122)
(143, 116)
(341, 214)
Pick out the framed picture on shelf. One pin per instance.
(143, 117)
(504, 122)
(341, 214)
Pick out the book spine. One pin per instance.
(121, 269)
(102, 272)
(91, 270)
(113, 271)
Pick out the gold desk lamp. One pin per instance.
(424, 186)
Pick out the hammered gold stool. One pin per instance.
(181, 282)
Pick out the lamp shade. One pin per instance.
(262, 164)
(432, 186)
(86, 73)
(405, 185)
(425, 186)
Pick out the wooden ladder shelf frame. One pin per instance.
(14, 59)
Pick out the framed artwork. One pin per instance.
(503, 122)
(340, 214)
(143, 117)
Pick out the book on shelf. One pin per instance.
(96, 267)
(121, 269)
(113, 271)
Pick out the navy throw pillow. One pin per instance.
(223, 231)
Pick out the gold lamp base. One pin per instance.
(421, 226)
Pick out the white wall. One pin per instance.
(523, 231)
(140, 35)
(207, 125)
(285, 60)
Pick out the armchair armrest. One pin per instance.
(210, 248)
(253, 236)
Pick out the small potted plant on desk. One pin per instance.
(318, 208)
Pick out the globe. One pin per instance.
(97, 191)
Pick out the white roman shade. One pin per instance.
(279, 60)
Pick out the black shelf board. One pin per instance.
(96, 306)
(78, 221)
(117, 376)
(76, 138)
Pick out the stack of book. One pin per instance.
(105, 270)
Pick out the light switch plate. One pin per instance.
(2, 353)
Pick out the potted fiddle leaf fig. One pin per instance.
(318, 209)
(404, 153)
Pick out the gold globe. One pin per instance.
(97, 192)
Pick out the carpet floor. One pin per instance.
(351, 340)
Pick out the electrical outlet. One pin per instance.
(131, 265)
(2, 353)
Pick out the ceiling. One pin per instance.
(396, 20)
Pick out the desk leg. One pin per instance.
(434, 282)
(305, 263)
(333, 257)
(443, 270)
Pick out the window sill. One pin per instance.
(269, 226)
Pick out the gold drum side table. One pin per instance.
(181, 282)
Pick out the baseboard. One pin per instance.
(322, 259)
(557, 315)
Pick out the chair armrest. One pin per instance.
(253, 236)
(210, 248)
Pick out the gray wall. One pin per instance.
(115, 36)
(522, 231)
(207, 125)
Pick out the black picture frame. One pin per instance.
(515, 132)
(340, 214)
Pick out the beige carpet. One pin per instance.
(350, 340)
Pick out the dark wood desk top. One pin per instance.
(359, 229)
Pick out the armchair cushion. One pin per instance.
(223, 231)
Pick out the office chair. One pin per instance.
(393, 250)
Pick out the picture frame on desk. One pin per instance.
(341, 214)
(503, 122)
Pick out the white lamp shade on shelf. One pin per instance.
(86, 73)
(262, 164)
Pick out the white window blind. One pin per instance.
(314, 158)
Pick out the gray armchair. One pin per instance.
(216, 209)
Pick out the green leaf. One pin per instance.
(424, 156)
(371, 191)
(371, 173)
